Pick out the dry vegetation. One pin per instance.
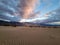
(29, 36)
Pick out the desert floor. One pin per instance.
(29, 36)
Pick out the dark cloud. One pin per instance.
(9, 10)
(54, 16)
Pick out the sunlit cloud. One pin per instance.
(5, 20)
(34, 19)
(54, 23)
(27, 7)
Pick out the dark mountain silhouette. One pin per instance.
(6, 23)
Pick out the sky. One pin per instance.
(29, 10)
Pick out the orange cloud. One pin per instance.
(27, 7)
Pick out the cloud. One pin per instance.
(27, 7)
(54, 23)
(17, 8)
(53, 16)
(9, 10)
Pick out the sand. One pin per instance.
(29, 36)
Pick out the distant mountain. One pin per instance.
(38, 24)
(6, 23)
(30, 24)
(48, 25)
